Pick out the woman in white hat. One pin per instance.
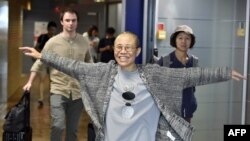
(182, 40)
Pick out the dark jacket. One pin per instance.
(189, 103)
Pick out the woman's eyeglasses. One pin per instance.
(127, 48)
(128, 110)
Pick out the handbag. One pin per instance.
(18, 117)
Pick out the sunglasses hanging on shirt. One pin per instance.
(128, 110)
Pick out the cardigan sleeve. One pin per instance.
(201, 76)
(68, 66)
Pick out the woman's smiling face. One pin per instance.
(183, 41)
(126, 50)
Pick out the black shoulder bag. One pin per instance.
(18, 118)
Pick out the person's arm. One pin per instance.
(102, 47)
(88, 57)
(237, 76)
(201, 76)
(66, 65)
(37, 67)
(28, 85)
(106, 48)
(95, 43)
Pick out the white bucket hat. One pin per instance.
(184, 28)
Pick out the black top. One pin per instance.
(189, 103)
(42, 39)
(106, 56)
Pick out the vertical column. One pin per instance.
(246, 87)
(14, 41)
(134, 20)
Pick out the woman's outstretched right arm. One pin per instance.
(66, 65)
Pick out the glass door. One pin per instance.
(221, 30)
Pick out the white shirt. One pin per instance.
(142, 125)
(93, 50)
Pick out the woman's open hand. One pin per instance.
(237, 76)
(30, 51)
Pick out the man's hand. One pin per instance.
(27, 86)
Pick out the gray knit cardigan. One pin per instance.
(164, 84)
